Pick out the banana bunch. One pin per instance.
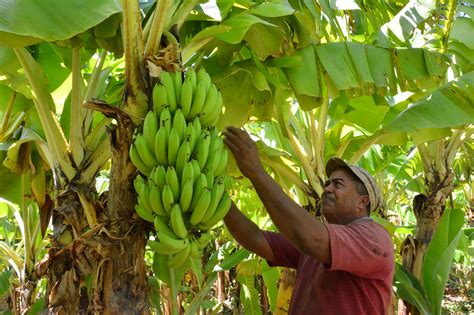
(183, 161)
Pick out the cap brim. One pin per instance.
(333, 164)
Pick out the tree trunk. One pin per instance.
(428, 211)
(108, 257)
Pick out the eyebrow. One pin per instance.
(336, 179)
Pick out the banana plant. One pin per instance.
(324, 56)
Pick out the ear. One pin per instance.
(363, 202)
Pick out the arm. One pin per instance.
(306, 233)
(247, 233)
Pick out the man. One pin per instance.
(343, 267)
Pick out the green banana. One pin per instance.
(144, 151)
(162, 227)
(216, 195)
(203, 239)
(190, 136)
(165, 120)
(186, 97)
(160, 100)
(199, 97)
(221, 167)
(197, 126)
(173, 182)
(210, 105)
(167, 198)
(180, 258)
(213, 118)
(155, 201)
(203, 77)
(187, 173)
(144, 197)
(200, 208)
(202, 149)
(161, 146)
(138, 162)
(150, 128)
(177, 221)
(186, 195)
(138, 183)
(172, 242)
(173, 146)
(143, 213)
(221, 210)
(199, 186)
(194, 252)
(159, 248)
(168, 83)
(197, 169)
(191, 77)
(178, 82)
(213, 160)
(160, 177)
(179, 123)
(210, 178)
(183, 157)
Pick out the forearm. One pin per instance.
(247, 233)
(301, 228)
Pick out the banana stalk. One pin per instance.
(98, 158)
(91, 91)
(43, 103)
(181, 14)
(456, 141)
(173, 292)
(157, 25)
(365, 146)
(6, 116)
(76, 140)
(136, 103)
(89, 210)
(286, 173)
(452, 4)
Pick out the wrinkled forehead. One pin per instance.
(341, 172)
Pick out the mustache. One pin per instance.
(328, 196)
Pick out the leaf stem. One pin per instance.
(173, 293)
(76, 142)
(157, 25)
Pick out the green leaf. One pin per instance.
(439, 256)
(50, 20)
(408, 288)
(463, 28)
(234, 259)
(270, 277)
(429, 134)
(449, 106)
(204, 290)
(240, 24)
(269, 9)
(337, 62)
(412, 63)
(304, 79)
(249, 294)
(366, 114)
(5, 281)
(405, 22)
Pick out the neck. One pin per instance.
(346, 220)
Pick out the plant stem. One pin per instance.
(91, 91)
(157, 25)
(173, 293)
(76, 142)
(8, 111)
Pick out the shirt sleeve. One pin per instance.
(363, 249)
(284, 253)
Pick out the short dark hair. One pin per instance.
(360, 187)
